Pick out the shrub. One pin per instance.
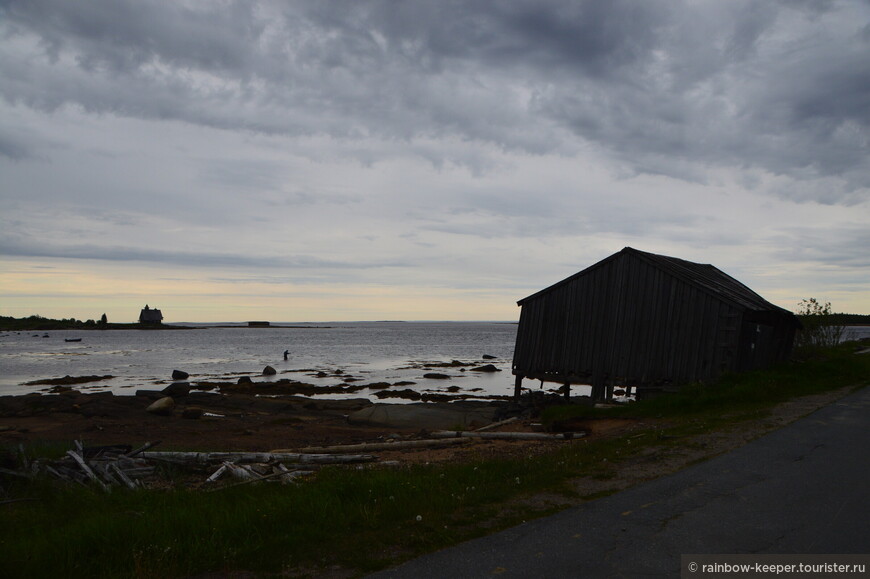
(820, 329)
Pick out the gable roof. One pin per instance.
(702, 275)
(150, 315)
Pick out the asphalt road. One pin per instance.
(800, 489)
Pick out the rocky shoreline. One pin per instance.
(239, 420)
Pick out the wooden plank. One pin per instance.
(123, 476)
(84, 466)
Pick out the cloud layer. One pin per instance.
(417, 137)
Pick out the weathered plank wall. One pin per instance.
(626, 321)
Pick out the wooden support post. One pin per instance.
(567, 388)
(609, 392)
(518, 384)
(597, 387)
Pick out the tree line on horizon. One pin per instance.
(37, 322)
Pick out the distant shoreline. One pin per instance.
(49, 327)
(41, 324)
(269, 327)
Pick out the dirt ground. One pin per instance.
(247, 423)
(240, 423)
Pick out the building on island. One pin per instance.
(150, 316)
(647, 321)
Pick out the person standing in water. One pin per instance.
(286, 353)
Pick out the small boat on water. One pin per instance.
(72, 339)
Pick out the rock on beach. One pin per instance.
(486, 368)
(177, 390)
(162, 407)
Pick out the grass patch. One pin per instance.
(745, 393)
(360, 519)
(340, 518)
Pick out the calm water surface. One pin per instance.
(371, 351)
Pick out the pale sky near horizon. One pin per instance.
(369, 160)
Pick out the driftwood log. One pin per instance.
(81, 462)
(262, 457)
(507, 435)
(375, 446)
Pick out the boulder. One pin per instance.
(436, 376)
(486, 368)
(378, 385)
(269, 371)
(180, 375)
(192, 412)
(162, 407)
(245, 380)
(488, 357)
(177, 389)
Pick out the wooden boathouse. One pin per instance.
(646, 321)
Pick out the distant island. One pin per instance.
(850, 319)
(39, 323)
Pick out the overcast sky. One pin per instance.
(313, 161)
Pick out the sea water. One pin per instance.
(367, 351)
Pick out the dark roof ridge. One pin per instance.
(704, 276)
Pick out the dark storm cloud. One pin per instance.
(17, 245)
(661, 87)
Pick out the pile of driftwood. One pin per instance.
(106, 466)
(256, 466)
(120, 465)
